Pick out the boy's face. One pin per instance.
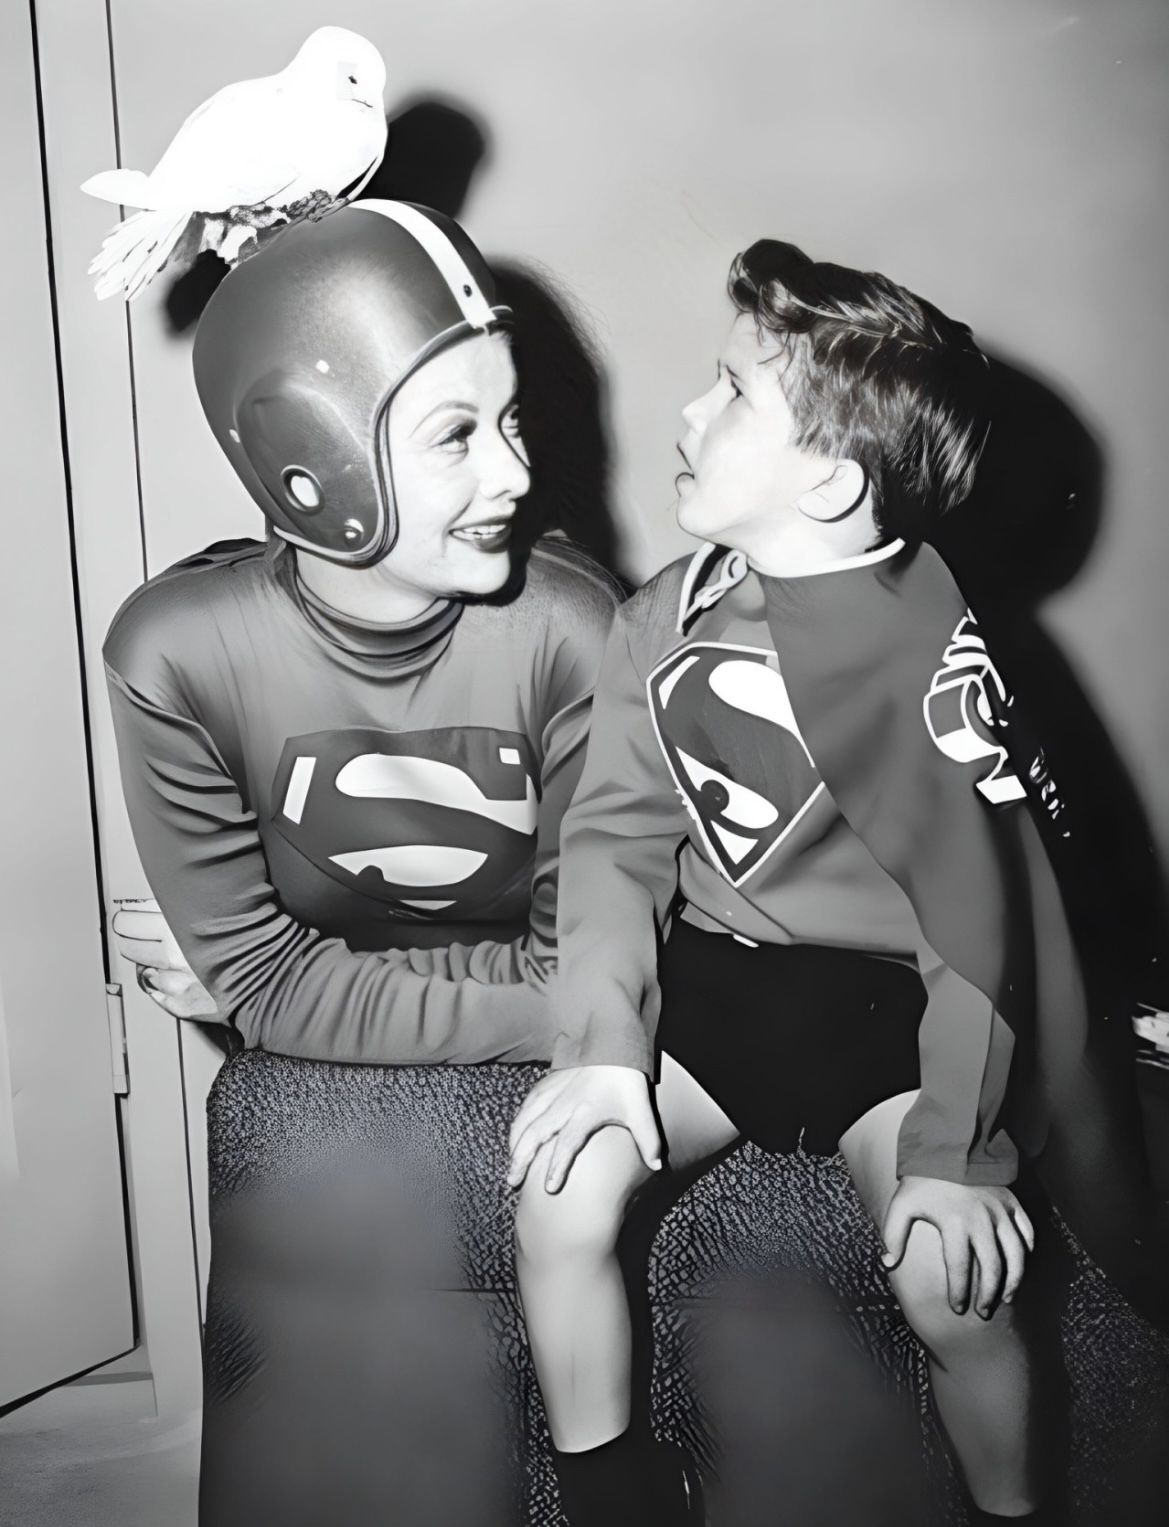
(744, 467)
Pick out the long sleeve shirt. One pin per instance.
(353, 830)
(699, 785)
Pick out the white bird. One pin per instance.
(257, 154)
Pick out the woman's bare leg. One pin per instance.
(571, 1284)
(981, 1371)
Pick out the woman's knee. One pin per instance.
(585, 1217)
(922, 1289)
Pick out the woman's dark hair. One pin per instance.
(872, 374)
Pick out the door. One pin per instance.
(65, 1302)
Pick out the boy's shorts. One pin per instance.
(793, 1041)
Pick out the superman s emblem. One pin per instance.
(424, 821)
(966, 713)
(726, 728)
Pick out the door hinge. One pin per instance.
(119, 1062)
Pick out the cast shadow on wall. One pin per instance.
(562, 416)
(433, 152)
(1026, 532)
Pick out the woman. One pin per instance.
(345, 774)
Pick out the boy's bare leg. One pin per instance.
(570, 1281)
(980, 1370)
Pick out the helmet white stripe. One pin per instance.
(450, 264)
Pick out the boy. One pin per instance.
(804, 764)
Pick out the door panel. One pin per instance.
(81, 137)
(64, 1273)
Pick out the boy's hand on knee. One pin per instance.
(566, 1108)
(985, 1238)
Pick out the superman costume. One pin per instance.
(832, 761)
(352, 829)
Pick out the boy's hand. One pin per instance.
(144, 939)
(977, 1224)
(569, 1107)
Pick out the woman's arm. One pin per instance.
(286, 986)
(146, 940)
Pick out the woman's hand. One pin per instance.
(568, 1107)
(978, 1225)
(143, 938)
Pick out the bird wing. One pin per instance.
(355, 188)
(337, 145)
(231, 151)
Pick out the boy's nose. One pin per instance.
(697, 413)
(692, 415)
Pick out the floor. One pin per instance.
(94, 1454)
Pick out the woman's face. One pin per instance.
(744, 466)
(458, 468)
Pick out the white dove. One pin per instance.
(258, 153)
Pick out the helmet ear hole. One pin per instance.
(313, 450)
(302, 490)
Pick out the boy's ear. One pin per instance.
(839, 495)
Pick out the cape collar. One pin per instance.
(713, 571)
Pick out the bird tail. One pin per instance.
(125, 188)
(134, 253)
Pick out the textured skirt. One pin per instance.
(365, 1361)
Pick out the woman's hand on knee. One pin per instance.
(568, 1107)
(985, 1236)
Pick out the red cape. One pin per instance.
(921, 748)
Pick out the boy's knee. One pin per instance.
(585, 1218)
(922, 1290)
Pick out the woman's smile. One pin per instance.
(487, 535)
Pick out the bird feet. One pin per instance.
(239, 233)
(315, 207)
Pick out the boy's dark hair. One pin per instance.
(873, 374)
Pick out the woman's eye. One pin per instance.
(511, 421)
(457, 437)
